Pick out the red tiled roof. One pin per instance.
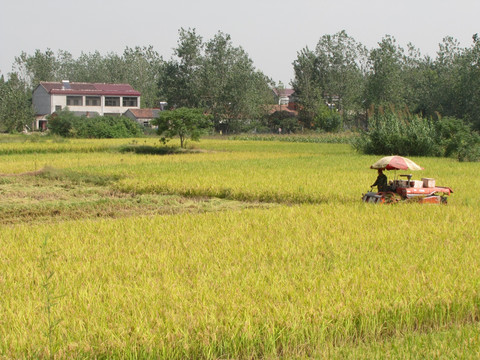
(276, 108)
(89, 89)
(144, 113)
(283, 92)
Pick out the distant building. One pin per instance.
(332, 101)
(284, 96)
(286, 101)
(163, 105)
(279, 108)
(142, 116)
(89, 99)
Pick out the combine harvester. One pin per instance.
(422, 191)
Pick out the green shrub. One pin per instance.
(328, 120)
(401, 134)
(284, 120)
(390, 133)
(420, 137)
(105, 127)
(458, 139)
(149, 150)
(66, 123)
(61, 123)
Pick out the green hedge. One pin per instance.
(66, 123)
(395, 133)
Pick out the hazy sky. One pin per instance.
(271, 31)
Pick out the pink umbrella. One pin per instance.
(395, 163)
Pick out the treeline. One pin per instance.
(214, 75)
(402, 102)
(339, 84)
(343, 72)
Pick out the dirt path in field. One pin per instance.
(49, 196)
(28, 173)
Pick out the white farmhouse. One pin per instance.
(88, 99)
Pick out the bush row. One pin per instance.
(66, 123)
(401, 134)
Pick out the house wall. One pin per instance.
(129, 114)
(146, 122)
(41, 101)
(58, 100)
(61, 100)
(45, 104)
(118, 109)
(143, 122)
(283, 100)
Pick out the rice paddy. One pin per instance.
(246, 249)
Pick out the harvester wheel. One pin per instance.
(390, 198)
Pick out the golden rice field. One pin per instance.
(315, 274)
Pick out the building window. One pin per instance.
(92, 100)
(74, 100)
(112, 101)
(58, 107)
(129, 101)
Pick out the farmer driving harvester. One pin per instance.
(424, 191)
(381, 183)
(391, 163)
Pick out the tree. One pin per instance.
(217, 76)
(333, 73)
(143, 67)
(284, 120)
(186, 123)
(32, 69)
(327, 119)
(93, 67)
(422, 84)
(468, 85)
(180, 83)
(307, 85)
(446, 80)
(341, 63)
(16, 110)
(385, 85)
(231, 88)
